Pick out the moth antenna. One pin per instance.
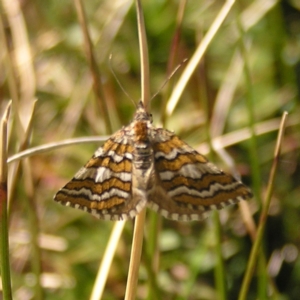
(119, 83)
(169, 77)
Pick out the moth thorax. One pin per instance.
(140, 129)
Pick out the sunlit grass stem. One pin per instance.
(263, 216)
(4, 243)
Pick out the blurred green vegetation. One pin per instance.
(49, 63)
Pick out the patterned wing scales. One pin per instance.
(103, 187)
(188, 185)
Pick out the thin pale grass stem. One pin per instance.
(23, 144)
(8, 60)
(252, 231)
(145, 77)
(107, 260)
(23, 120)
(20, 59)
(219, 142)
(29, 201)
(256, 11)
(53, 146)
(16, 45)
(225, 95)
(264, 214)
(98, 88)
(137, 241)
(244, 134)
(4, 244)
(152, 254)
(194, 61)
(33, 220)
(219, 270)
(135, 256)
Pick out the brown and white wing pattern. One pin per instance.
(188, 185)
(141, 165)
(103, 187)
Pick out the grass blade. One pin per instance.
(4, 245)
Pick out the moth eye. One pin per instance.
(151, 118)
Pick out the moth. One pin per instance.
(141, 165)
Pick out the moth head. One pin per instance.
(141, 114)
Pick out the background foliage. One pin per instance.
(46, 60)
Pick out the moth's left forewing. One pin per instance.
(188, 185)
(103, 186)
